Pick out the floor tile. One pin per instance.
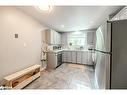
(67, 76)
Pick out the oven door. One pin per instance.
(59, 59)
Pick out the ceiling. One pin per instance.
(72, 18)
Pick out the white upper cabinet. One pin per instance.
(59, 38)
(116, 17)
(53, 37)
(90, 38)
(121, 15)
(50, 36)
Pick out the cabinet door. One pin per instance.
(79, 57)
(90, 58)
(64, 56)
(54, 37)
(90, 36)
(73, 54)
(69, 56)
(85, 57)
(59, 38)
(116, 17)
(49, 36)
(123, 14)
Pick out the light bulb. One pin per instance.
(45, 8)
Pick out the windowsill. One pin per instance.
(73, 50)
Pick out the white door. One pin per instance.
(69, 56)
(79, 57)
(74, 57)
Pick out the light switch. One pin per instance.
(24, 44)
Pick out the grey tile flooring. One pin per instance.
(67, 76)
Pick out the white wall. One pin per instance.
(14, 56)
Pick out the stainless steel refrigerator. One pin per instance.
(111, 55)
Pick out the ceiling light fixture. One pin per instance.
(62, 26)
(91, 22)
(44, 8)
(77, 32)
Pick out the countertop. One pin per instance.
(56, 51)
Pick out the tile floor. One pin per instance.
(67, 76)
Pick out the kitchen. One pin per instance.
(56, 51)
(76, 53)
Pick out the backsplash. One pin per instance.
(54, 47)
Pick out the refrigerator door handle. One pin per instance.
(103, 51)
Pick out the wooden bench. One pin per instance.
(22, 78)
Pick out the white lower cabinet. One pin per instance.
(74, 56)
(85, 57)
(79, 57)
(90, 62)
(64, 56)
(69, 56)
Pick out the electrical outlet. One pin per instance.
(16, 35)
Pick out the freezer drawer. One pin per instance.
(102, 70)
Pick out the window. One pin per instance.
(77, 40)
